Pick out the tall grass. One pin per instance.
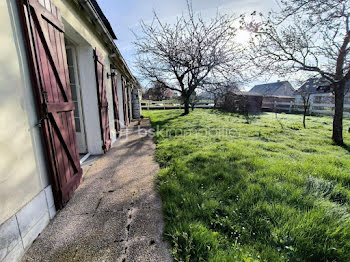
(273, 191)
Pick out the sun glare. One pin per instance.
(242, 36)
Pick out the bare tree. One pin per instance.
(307, 88)
(183, 55)
(219, 89)
(309, 36)
(194, 99)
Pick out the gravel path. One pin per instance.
(115, 215)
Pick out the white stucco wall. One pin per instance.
(22, 162)
(87, 80)
(89, 99)
(84, 35)
(76, 21)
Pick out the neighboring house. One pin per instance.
(66, 91)
(313, 87)
(281, 91)
(281, 88)
(158, 93)
(169, 93)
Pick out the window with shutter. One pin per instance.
(44, 34)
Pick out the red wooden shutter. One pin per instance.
(44, 34)
(102, 100)
(125, 103)
(115, 103)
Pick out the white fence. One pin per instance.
(169, 104)
(293, 106)
(314, 108)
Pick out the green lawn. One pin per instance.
(268, 190)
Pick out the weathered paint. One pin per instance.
(114, 81)
(23, 171)
(102, 100)
(50, 81)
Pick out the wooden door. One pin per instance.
(44, 34)
(102, 100)
(115, 103)
(125, 102)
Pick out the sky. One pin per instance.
(125, 15)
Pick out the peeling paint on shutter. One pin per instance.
(102, 100)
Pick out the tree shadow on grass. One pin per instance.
(224, 112)
(346, 147)
(159, 124)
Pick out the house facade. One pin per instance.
(66, 92)
(280, 88)
(277, 92)
(313, 88)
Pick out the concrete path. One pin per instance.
(115, 215)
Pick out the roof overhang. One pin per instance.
(105, 33)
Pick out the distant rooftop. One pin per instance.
(281, 88)
(312, 85)
(245, 93)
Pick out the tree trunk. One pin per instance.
(187, 106)
(306, 101)
(338, 114)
